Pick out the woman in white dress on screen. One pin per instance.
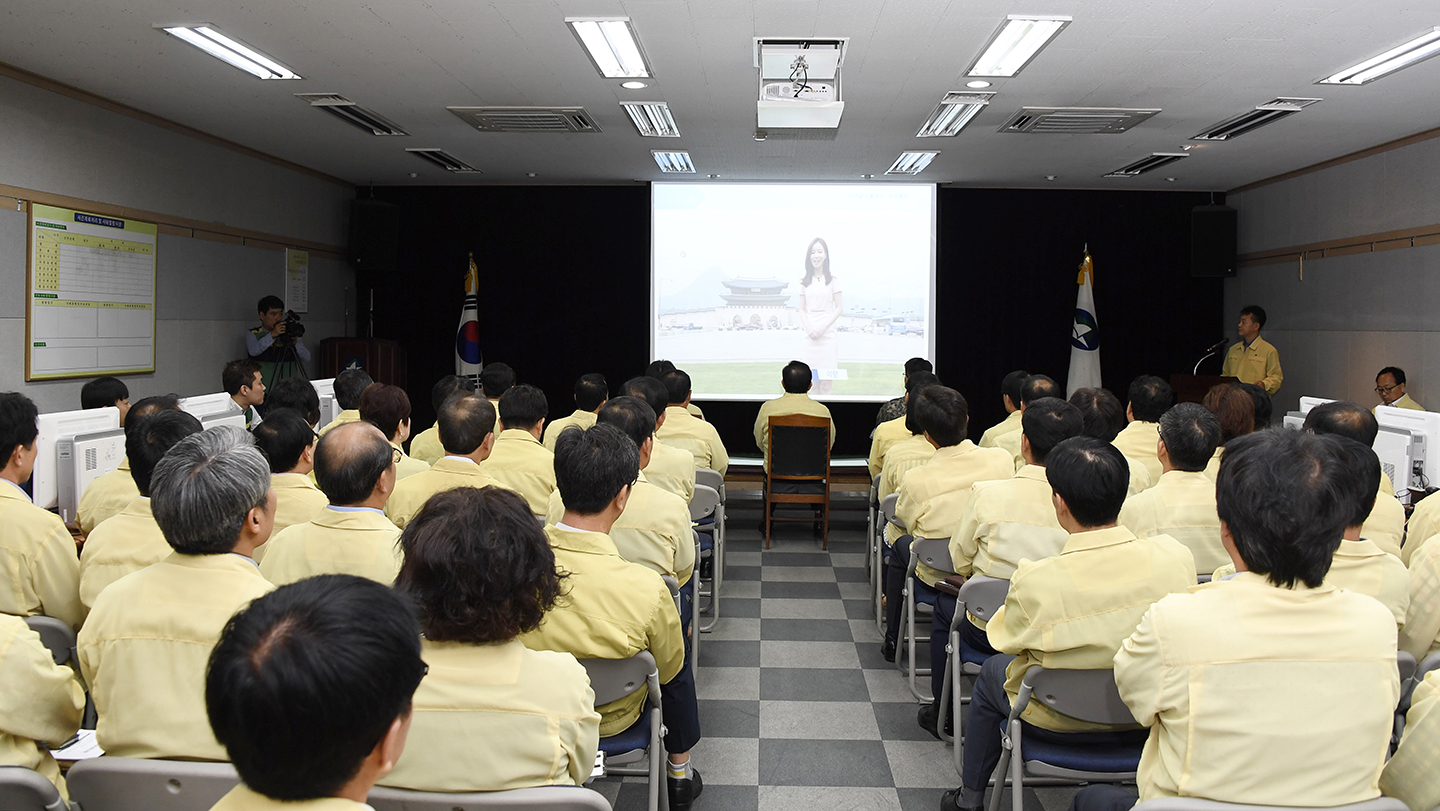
(820, 308)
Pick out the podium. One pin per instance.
(1192, 388)
(383, 359)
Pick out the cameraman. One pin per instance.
(269, 344)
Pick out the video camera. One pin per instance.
(293, 328)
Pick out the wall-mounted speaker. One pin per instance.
(1212, 241)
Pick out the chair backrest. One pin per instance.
(712, 479)
(1195, 804)
(933, 552)
(540, 798)
(704, 502)
(1088, 695)
(57, 637)
(130, 784)
(613, 679)
(1429, 663)
(23, 789)
(799, 446)
(983, 596)
(887, 507)
(1407, 665)
(875, 490)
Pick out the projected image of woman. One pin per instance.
(820, 308)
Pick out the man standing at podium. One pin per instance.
(1254, 359)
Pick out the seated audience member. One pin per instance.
(686, 431)
(1181, 504)
(1385, 525)
(491, 714)
(1409, 776)
(1104, 418)
(241, 380)
(495, 380)
(467, 430)
(131, 540)
(1389, 384)
(42, 573)
(295, 393)
(1247, 685)
(43, 702)
(1236, 412)
(1423, 525)
(795, 378)
(426, 447)
(144, 647)
(309, 689)
(112, 492)
(1149, 398)
(1264, 406)
(614, 609)
(349, 385)
(1070, 611)
(1010, 396)
(907, 455)
(1359, 564)
(670, 469)
(518, 460)
(895, 409)
(1034, 387)
(355, 467)
(103, 392)
(591, 392)
(889, 434)
(288, 443)
(933, 495)
(388, 408)
(658, 369)
(1005, 522)
(1421, 635)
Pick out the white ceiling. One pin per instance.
(1201, 61)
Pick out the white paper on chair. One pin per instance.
(81, 747)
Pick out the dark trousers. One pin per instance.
(1104, 797)
(970, 637)
(677, 696)
(894, 584)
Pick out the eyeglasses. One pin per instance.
(1387, 389)
(397, 456)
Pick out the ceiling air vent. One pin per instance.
(1267, 113)
(444, 160)
(1149, 163)
(352, 113)
(527, 119)
(1075, 120)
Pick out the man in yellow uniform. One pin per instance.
(289, 445)
(1390, 385)
(658, 369)
(1421, 634)
(1070, 611)
(113, 492)
(933, 495)
(591, 392)
(670, 469)
(1010, 396)
(1104, 419)
(518, 460)
(467, 427)
(912, 451)
(796, 380)
(1149, 398)
(1182, 502)
(1246, 685)
(304, 734)
(1359, 565)
(1385, 525)
(39, 571)
(683, 430)
(1409, 776)
(1034, 388)
(356, 470)
(42, 703)
(349, 385)
(145, 646)
(1253, 359)
(426, 447)
(296, 394)
(1005, 522)
(131, 541)
(615, 609)
(496, 379)
(890, 433)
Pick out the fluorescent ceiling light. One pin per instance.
(633, 85)
(911, 163)
(652, 118)
(1148, 164)
(1416, 50)
(232, 51)
(612, 46)
(673, 162)
(444, 160)
(1016, 43)
(978, 84)
(1263, 114)
(952, 114)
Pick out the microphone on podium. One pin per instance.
(1219, 345)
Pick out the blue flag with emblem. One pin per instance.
(1084, 333)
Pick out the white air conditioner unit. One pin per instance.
(799, 85)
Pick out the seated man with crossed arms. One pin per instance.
(467, 430)
(1181, 503)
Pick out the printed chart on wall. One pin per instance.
(92, 295)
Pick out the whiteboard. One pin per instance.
(91, 307)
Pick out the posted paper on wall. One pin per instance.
(297, 280)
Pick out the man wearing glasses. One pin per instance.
(1390, 385)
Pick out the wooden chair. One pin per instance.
(799, 456)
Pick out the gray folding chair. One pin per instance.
(708, 502)
(1087, 695)
(1195, 804)
(131, 784)
(981, 596)
(935, 553)
(59, 639)
(1406, 664)
(612, 680)
(540, 798)
(23, 789)
(884, 518)
(870, 527)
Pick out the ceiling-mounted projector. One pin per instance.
(799, 85)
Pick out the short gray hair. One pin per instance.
(204, 487)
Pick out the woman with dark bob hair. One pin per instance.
(491, 714)
(1236, 411)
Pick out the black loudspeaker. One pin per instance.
(374, 236)
(1212, 241)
